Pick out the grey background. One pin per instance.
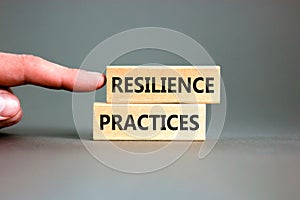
(257, 43)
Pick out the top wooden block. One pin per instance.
(163, 84)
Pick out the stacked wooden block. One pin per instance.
(156, 102)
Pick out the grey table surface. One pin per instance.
(51, 164)
(255, 42)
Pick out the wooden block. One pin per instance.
(163, 84)
(149, 121)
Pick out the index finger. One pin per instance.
(28, 69)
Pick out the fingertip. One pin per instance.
(12, 120)
(102, 81)
(86, 81)
(9, 106)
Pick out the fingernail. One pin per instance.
(97, 77)
(8, 106)
(89, 81)
(101, 81)
(2, 104)
(93, 75)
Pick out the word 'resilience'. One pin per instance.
(163, 85)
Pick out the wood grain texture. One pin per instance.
(188, 116)
(114, 95)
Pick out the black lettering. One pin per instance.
(116, 119)
(208, 84)
(195, 84)
(129, 123)
(139, 84)
(104, 119)
(139, 122)
(183, 122)
(169, 123)
(147, 90)
(154, 117)
(187, 86)
(116, 82)
(154, 90)
(171, 83)
(194, 122)
(163, 122)
(163, 85)
(128, 84)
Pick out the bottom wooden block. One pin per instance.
(149, 121)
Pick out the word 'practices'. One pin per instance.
(149, 121)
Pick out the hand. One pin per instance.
(27, 69)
